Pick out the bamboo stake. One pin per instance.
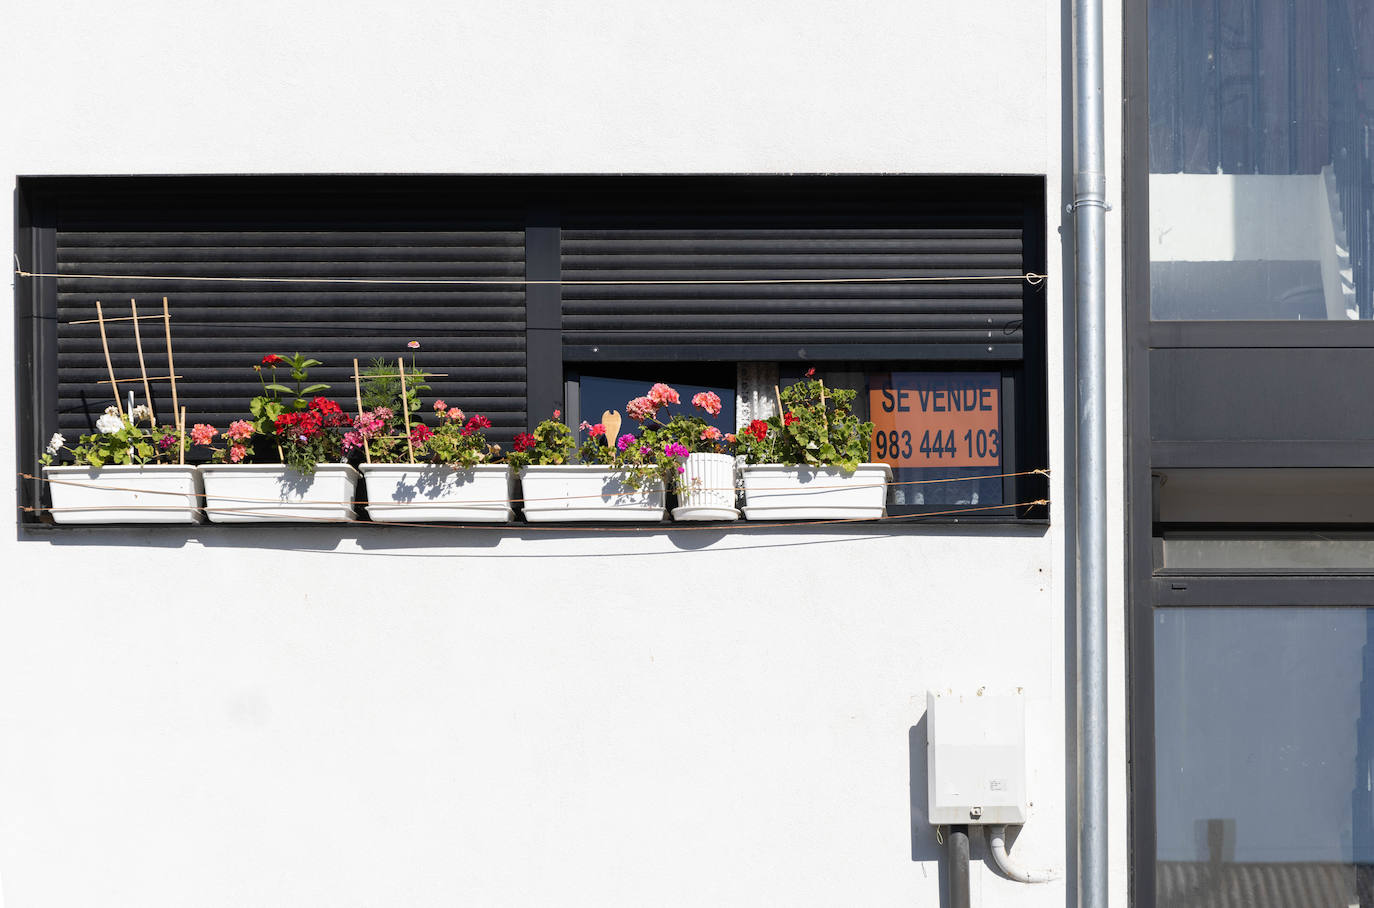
(405, 408)
(125, 381)
(181, 438)
(825, 422)
(171, 370)
(358, 392)
(105, 344)
(778, 395)
(142, 366)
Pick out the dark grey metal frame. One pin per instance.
(1146, 587)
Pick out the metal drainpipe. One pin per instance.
(1089, 208)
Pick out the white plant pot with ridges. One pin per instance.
(156, 493)
(272, 493)
(706, 488)
(587, 492)
(780, 492)
(407, 492)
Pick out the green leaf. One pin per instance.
(312, 389)
(274, 386)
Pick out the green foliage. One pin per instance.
(817, 428)
(381, 387)
(549, 444)
(121, 440)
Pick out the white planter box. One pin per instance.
(706, 488)
(407, 492)
(264, 493)
(587, 492)
(779, 492)
(157, 493)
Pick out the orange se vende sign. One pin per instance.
(936, 419)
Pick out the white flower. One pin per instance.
(112, 411)
(109, 423)
(139, 413)
(55, 443)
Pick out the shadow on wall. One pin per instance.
(365, 539)
(925, 848)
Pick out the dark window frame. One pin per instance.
(1148, 587)
(545, 200)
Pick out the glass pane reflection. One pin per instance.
(1260, 159)
(1264, 748)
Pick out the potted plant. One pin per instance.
(807, 462)
(415, 473)
(692, 456)
(600, 487)
(127, 471)
(303, 433)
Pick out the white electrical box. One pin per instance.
(976, 759)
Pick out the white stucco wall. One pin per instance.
(315, 717)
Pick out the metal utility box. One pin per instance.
(976, 759)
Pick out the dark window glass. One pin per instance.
(1260, 159)
(1264, 746)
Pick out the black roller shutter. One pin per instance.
(945, 317)
(474, 335)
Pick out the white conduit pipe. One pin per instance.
(997, 844)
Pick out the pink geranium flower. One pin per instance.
(237, 453)
(710, 433)
(708, 401)
(201, 434)
(663, 395)
(642, 408)
(455, 414)
(239, 430)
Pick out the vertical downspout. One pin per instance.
(1089, 208)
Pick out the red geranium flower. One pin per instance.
(272, 359)
(477, 421)
(420, 434)
(788, 418)
(524, 441)
(810, 372)
(758, 429)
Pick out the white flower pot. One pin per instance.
(407, 492)
(706, 488)
(587, 492)
(156, 493)
(779, 492)
(265, 493)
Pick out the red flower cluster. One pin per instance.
(272, 359)
(299, 425)
(477, 421)
(420, 434)
(304, 426)
(524, 441)
(758, 430)
(788, 418)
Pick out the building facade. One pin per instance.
(355, 715)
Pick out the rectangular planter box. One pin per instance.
(780, 492)
(266, 493)
(157, 493)
(586, 492)
(407, 492)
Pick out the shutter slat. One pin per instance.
(965, 318)
(475, 336)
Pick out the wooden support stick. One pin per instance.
(405, 408)
(825, 422)
(181, 437)
(171, 370)
(105, 343)
(142, 366)
(122, 318)
(125, 381)
(358, 392)
(778, 395)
